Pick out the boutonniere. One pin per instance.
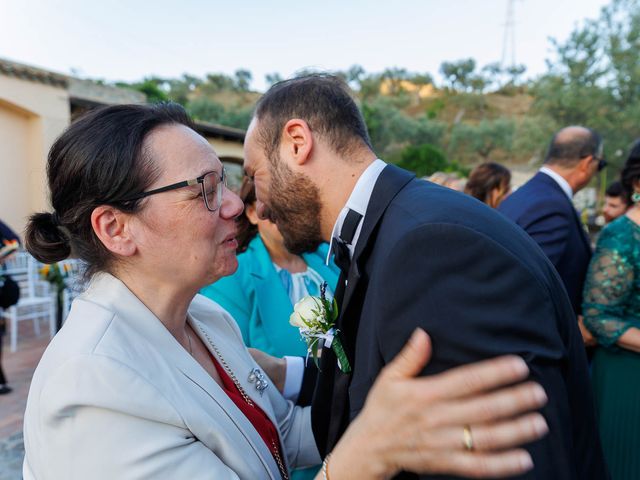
(316, 319)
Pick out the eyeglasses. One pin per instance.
(212, 184)
(601, 163)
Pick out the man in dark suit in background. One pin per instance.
(415, 254)
(543, 206)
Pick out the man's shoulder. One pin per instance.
(534, 198)
(420, 203)
(422, 206)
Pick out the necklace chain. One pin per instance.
(225, 365)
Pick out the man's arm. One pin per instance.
(385, 439)
(419, 424)
(477, 300)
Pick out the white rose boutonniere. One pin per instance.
(316, 318)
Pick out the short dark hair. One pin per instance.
(631, 170)
(485, 178)
(99, 160)
(246, 230)
(615, 189)
(567, 152)
(323, 101)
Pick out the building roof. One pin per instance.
(90, 91)
(27, 72)
(90, 94)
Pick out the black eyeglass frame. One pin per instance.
(602, 162)
(221, 180)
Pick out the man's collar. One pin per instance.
(559, 179)
(358, 201)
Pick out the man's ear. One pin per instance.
(585, 164)
(297, 141)
(110, 226)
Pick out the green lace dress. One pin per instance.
(611, 306)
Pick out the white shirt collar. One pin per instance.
(358, 201)
(564, 185)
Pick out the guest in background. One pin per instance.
(616, 202)
(9, 291)
(612, 313)
(490, 183)
(269, 281)
(260, 295)
(543, 206)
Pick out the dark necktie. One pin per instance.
(339, 411)
(342, 257)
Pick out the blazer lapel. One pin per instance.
(237, 363)
(115, 296)
(389, 183)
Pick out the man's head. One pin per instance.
(298, 125)
(576, 153)
(615, 202)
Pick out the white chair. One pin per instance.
(74, 283)
(36, 300)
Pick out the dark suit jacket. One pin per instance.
(431, 257)
(548, 216)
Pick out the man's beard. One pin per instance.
(294, 205)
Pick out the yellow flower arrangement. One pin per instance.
(55, 275)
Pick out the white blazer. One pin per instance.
(115, 396)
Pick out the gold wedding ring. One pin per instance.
(467, 439)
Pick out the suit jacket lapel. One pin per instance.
(389, 183)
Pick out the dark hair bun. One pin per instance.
(45, 240)
(631, 171)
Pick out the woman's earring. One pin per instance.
(635, 197)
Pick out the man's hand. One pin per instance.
(470, 421)
(275, 368)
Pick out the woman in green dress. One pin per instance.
(612, 313)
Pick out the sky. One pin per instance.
(128, 40)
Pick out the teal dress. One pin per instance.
(258, 297)
(612, 306)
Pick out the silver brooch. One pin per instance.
(257, 377)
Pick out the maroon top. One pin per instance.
(254, 413)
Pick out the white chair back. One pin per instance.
(36, 299)
(74, 283)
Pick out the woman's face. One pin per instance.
(268, 230)
(176, 237)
